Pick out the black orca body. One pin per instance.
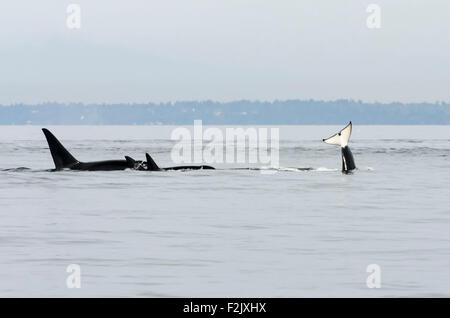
(152, 166)
(64, 160)
(348, 163)
(341, 139)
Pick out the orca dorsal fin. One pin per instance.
(151, 165)
(341, 138)
(131, 162)
(61, 157)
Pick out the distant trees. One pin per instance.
(244, 112)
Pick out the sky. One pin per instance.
(137, 51)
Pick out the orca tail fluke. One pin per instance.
(61, 157)
(151, 164)
(341, 138)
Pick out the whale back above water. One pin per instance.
(152, 166)
(63, 159)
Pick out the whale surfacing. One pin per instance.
(341, 139)
(63, 159)
(152, 166)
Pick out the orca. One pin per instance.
(64, 160)
(152, 166)
(341, 139)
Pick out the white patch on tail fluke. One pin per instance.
(341, 138)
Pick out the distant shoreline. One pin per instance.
(289, 112)
(219, 125)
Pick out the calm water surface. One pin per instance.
(227, 232)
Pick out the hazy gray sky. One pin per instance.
(168, 50)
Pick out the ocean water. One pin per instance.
(227, 232)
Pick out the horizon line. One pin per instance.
(349, 100)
